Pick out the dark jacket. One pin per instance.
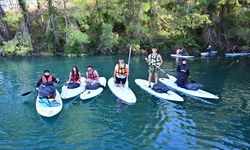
(182, 75)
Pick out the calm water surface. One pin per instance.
(106, 123)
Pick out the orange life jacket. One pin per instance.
(122, 70)
(74, 77)
(46, 81)
(92, 75)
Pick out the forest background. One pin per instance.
(79, 27)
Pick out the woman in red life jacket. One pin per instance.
(74, 75)
(47, 90)
(121, 72)
(92, 76)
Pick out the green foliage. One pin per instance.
(238, 28)
(20, 45)
(12, 18)
(107, 38)
(75, 41)
(109, 26)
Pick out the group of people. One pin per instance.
(182, 52)
(155, 61)
(234, 49)
(47, 90)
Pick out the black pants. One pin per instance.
(120, 80)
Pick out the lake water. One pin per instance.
(106, 123)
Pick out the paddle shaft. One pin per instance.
(129, 55)
(158, 68)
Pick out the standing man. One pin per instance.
(121, 72)
(154, 61)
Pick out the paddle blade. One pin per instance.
(27, 93)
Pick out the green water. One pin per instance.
(106, 123)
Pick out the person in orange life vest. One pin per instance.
(74, 75)
(154, 61)
(47, 81)
(92, 76)
(121, 72)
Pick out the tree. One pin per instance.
(4, 26)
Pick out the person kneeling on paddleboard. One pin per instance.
(154, 61)
(182, 74)
(92, 76)
(74, 78)
(47, 89)
(120, 73)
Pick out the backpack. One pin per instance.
(93, 86)
(47, 92)
(193, 86)
(160, 88)
(73, 85)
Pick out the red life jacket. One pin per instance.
(92, 75)
(122, 70)
(74, 77)
(46, 81)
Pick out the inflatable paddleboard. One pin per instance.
(170, 95)
(70, 93)
(87, 94)
(123, 93)
(49, 109)
(236, 54)
(198, 93)
(180, 56)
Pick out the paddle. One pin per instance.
(130, 48)
(238, 60)
(159, 68)
(163, 71)
(27, 93)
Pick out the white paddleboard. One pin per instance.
(198, 93)
(170, 95)
(70, 93)
(180, 56)
(123, 93)
(46, 110)
(87, 94)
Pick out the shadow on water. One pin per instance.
(120, 105)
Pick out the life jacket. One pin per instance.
(92, 75)
(154, 60)
(122, 70)
(74, 77)
(46, 81)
